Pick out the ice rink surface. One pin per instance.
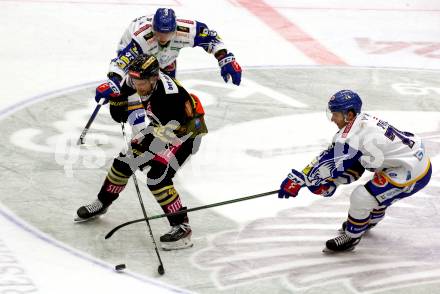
(294, 55)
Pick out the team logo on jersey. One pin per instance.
(324, 170)
(186, 21)
(182, 29)
(141, 29)
(379, 180)
(148, 36)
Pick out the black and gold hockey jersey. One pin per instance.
(169, 106)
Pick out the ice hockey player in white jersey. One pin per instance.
(163, 36)
(398, 159)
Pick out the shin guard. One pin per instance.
(115, 182)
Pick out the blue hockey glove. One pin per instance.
(230, 68)
(292, 184)
(107, 90)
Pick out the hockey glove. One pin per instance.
(230, 68)
(292, 184)
(108, 89)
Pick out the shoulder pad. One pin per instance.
(168, 84)
(141, 25)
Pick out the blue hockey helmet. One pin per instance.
(344, 101)
(164, 20)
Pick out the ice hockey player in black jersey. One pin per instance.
(172, 135)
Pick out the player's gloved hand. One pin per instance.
(230, 68)
(109, 89)
(292, 184)
(139, 137)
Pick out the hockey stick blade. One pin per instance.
(81, 138)
(115, 229)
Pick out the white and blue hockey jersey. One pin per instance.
(377, 146)
(139, 38)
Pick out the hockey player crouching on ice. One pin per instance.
(174, 132)
(401, 168)
(163, 36)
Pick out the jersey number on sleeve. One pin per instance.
(392, 132)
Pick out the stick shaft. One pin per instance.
(138, 192)
(89, 122)
(109, 234)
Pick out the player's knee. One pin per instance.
(121, 166)
(360, 198)
(159, 175)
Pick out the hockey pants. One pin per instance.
(368, 203)
(163, 167)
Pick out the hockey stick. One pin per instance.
(109, 234)
(160, 269)
(89, 123)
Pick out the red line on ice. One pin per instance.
(291, 32)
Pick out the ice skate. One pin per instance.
(342, 243)
(90, 211)
(179, 237)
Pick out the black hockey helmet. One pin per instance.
(143, 67)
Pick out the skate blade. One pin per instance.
(180, 244)
(78, 219)
(329, 251)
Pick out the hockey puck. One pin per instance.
(161, 270)
(120, 267)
